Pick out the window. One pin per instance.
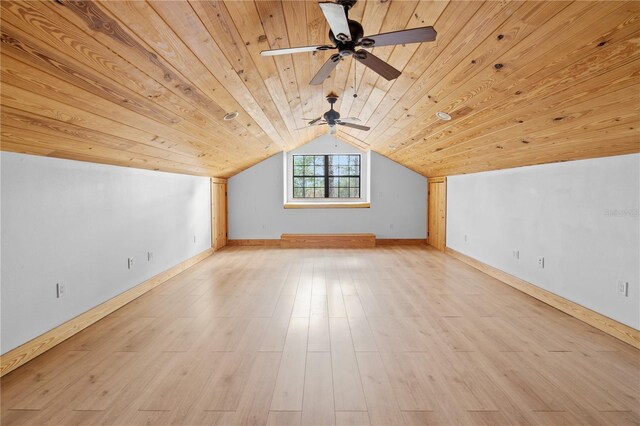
(326, 176)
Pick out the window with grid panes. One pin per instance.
(326, 176)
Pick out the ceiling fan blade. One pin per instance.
(415, 35)
(326, 69)
(289, 50)
(377, 64)
(349, 119)
(314, 121)
(354, 126)
(337, 19)
(312, 125)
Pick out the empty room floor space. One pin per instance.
(386, 336)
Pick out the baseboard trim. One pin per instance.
(28, 351)
(327, 240)
(400, 241)
(257, 243)
(610, 326)
(277, 242)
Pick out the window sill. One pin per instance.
(350, 205)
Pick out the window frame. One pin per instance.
(328, 161)
(332, 147)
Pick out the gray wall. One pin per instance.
(398, 203)
(78, 223)
(582, 216)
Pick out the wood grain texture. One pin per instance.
(327, 240)
(379, 242)
(219, 214)
(256, 336)
(610, 326)
(146, 83)
(28, 351)
(256, 242)
(437, 213)
(400, 241)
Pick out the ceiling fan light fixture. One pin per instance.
(443, 116)
(230, 115)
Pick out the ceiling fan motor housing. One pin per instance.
(347, 47)
(331, 116)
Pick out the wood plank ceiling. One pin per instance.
(146, 84)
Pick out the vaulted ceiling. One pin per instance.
(146, 84)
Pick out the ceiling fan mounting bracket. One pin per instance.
(332, 99)
(347, 4)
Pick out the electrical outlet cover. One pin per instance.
(623, 288)
(61, 290)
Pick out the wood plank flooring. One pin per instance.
(393, 335)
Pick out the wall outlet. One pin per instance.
(130, 263)
(516, 254)
(149, 256)
(465, 238)
(623, 288)
(61, 290)
(541, 262)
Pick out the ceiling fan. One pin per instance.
(332, 118)
(347, 35)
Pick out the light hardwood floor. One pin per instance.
(391, 335)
